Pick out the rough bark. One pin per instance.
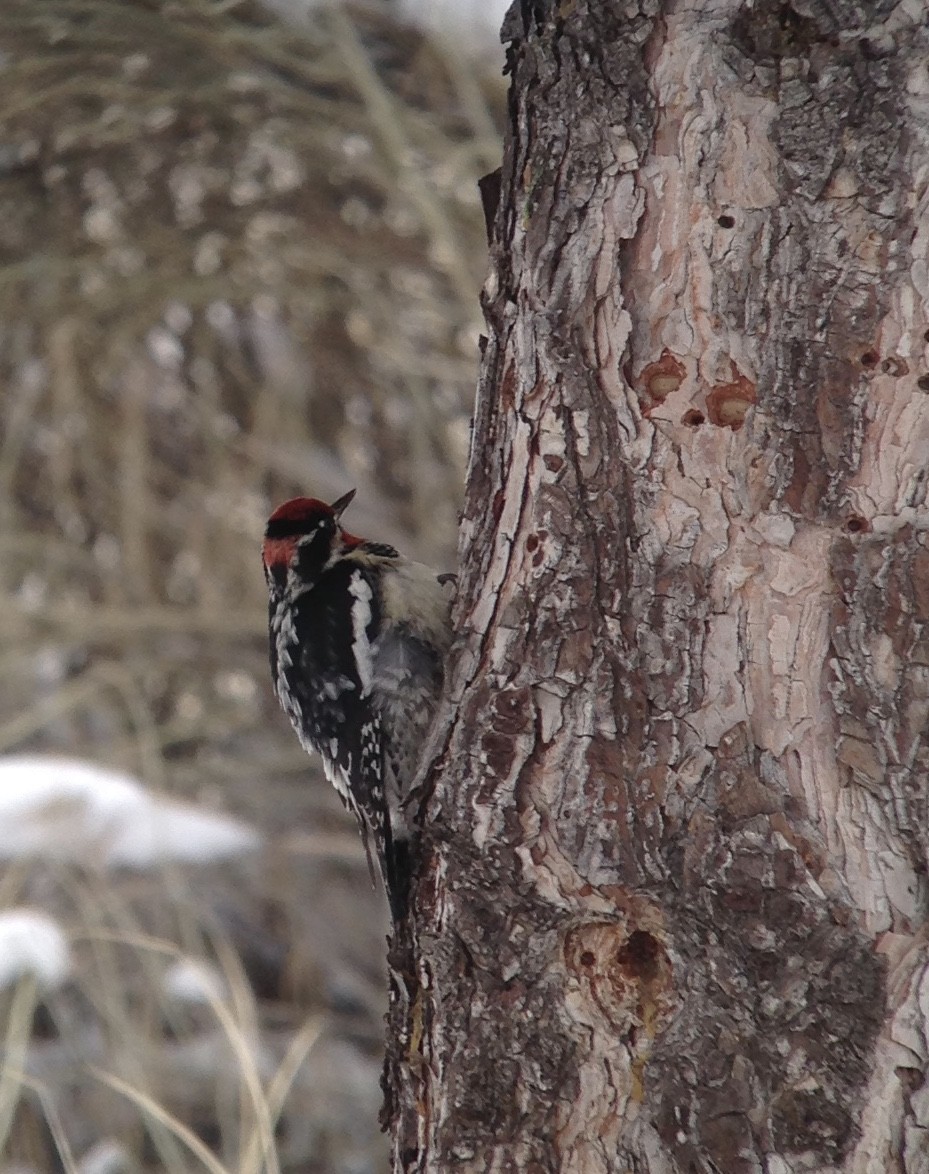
(672, 908)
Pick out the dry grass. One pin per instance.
(237, 261)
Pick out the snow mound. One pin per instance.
(107, 1157)
(473, 24)
(32, 943)
(61, 809)
(190, 980)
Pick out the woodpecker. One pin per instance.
(358, 640)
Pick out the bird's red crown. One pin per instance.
(301, 509)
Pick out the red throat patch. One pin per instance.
(277, 552)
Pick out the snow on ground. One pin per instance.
(473, 26)
(62, 809)
(32, 943)
(191, 980)
(107, 1157)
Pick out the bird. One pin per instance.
(359, 637)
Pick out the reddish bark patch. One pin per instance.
(807, 484)
(728, 403)
(920, 581)
(660, 378)
(626, 976)
(640, 955)
(509, 720)
(508, 388)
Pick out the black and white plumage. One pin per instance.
(358, 639)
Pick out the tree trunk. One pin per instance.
(672, 907)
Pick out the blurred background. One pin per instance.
(241, 247)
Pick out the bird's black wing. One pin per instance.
(331, 686)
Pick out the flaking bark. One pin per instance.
(672, 909)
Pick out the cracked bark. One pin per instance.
(671, 914)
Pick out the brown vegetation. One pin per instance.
(237, 261)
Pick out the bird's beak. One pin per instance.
(339, 507)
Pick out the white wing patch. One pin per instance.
(338, 776)
(361, 616)
(285, 635)
(333, 689)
